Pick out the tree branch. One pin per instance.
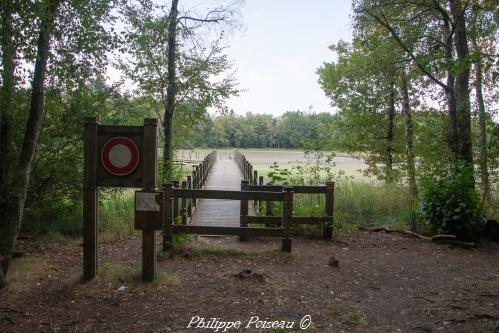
(384, 23)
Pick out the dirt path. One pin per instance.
(384, 283)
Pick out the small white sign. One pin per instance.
(146, 202)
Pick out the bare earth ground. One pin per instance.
(384, 283)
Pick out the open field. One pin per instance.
(262, 159)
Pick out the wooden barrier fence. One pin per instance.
(171, 194)
(251, 182)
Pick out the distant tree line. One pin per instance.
(294, 129)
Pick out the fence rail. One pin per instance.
(183, 206)
(249, 183)
(180, 199)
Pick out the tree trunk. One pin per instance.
(449, 91)
(170, 94)
(14, 208)
(389, 136)
(464, 150)
(8, 83)
(406, 110)
(482, 122)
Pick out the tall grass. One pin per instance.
(367, 203)
(116, 215)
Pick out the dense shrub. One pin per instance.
(451, 205)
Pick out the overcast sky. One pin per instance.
(278, 52)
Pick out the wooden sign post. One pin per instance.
(115, 156)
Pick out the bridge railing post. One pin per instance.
(194, 183)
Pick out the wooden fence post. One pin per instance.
(176, 184)
(329, 210)
(149, 183)
(189, 204)
(168, 218)
(287, 213)
(268, 206)
(244, 210)
(255, 179)
(260, 182)
(183, 205)
(90, 200)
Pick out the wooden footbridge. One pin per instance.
(223, 196)
(220, 197)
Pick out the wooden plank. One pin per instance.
(294, 219)
(263, 219)
(113, 129)
(90, 199)
(229, 195)
(296, 189)
(266, 188)
(309, 219)
(309, 189)
(234, 231)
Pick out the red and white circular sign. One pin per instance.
(120, 156)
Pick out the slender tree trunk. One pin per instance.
(8, 64)
(406, 110)
(170, 94)
(10, 225)
(389, 135)
(449, 92)
(482, 122)
(6, 92)
(461, 88)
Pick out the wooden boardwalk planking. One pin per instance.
(224, 175)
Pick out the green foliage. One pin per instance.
(291, 130)
(116, 213)
(317, 169)
(451, 205)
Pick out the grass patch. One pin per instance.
(227, 252)
(116, 215)
(345, 314)
(24, 272)
(116, 277)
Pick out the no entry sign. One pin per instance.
(120, 156)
